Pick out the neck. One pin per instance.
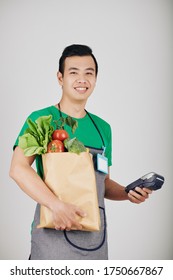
(76, 110)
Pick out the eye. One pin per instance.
(89, 73)
(73, 72)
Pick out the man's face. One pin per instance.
(79, 77)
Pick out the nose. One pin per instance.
(81, 81)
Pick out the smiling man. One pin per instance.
(78, 81)
(77, 77)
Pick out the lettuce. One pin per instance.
(37, 136)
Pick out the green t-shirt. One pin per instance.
(86, 132)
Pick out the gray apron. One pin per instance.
(51, 244)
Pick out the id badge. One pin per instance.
(102, 163)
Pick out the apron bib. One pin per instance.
(51, 244)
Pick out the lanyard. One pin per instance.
(91, 120)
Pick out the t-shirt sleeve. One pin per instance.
(33, 117)
(24, 127)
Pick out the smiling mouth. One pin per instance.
(81, 89)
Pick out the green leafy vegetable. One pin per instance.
(66, 121)
(37, 136)
(74, 145)
(72, 123)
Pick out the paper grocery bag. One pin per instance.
(71, 177)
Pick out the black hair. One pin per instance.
(76, 50)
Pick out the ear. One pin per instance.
(60, 78)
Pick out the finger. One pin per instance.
(60, 226)
(147, 190)
(141, 192)
(77, 225)
(57, 228)
(80, 213)
(70, 223)
(136, 197)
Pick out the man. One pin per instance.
(77, 76)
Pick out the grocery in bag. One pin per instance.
(72, 178)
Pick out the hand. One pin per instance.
(65, 214)
(139, 195)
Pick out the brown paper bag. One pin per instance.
(72, 178)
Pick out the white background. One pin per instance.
(132, 41)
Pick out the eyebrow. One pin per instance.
(75, 68)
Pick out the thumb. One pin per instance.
(81, 212)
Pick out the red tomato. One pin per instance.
(55, 146)
(60, 134)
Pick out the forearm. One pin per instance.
(114, 191)
(31, 183)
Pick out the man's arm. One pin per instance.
(29, 181)
(115, 191)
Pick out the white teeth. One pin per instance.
(81, 88)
